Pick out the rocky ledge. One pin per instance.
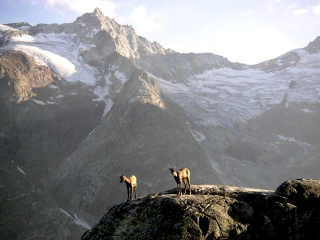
(217, 212)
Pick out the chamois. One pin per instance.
(181, 175)
(131, 184)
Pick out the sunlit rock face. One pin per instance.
(83, 102)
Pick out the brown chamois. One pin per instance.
(131, 184)
(181, 175)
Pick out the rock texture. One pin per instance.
(217, 212)
(19, 72)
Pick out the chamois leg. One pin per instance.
(185, 186)
(189, 185)
(179, 188)
(135, 192)
(128, 194)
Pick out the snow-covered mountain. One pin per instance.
(84, 102)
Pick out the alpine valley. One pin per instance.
(82, 103)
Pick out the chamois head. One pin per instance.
(173, 171)
(121, 178)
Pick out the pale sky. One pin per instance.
(246, 31)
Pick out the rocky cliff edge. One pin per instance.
(217, 212)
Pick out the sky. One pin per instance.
(245, 31)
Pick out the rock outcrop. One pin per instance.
(217, 212)
(19, 72)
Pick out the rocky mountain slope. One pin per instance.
(217, 212)
(83, 102)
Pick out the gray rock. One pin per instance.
(213, 212)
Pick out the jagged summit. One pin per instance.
(107, 32)
(314, 46)
(19, 25)
(96, 17)
(103, 36)
(98, 12)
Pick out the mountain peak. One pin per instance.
(314, 46)
(97, 12)
(96, 16)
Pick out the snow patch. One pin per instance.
(39, 102)
(80, 222)
(120, 76)
(4, 28)
(92, 33)
(286, 138)
(307, 110)
(198, 135)
(58, 52)
(304, 145)
(109, 104)
(20, 170)
(77, 220)
(90, 133)
(103, 93)
(223, 97)
(53, 86)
